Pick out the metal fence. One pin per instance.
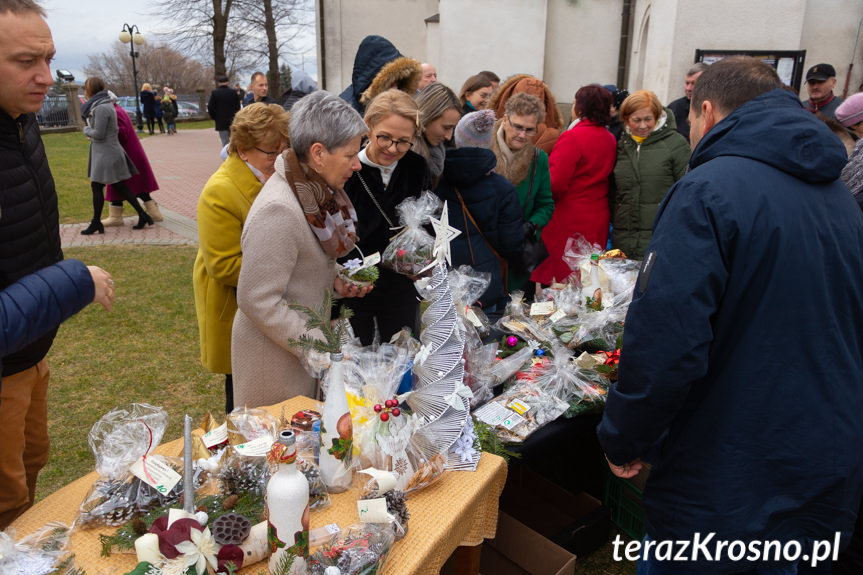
(54, 112)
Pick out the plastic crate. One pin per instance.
(624, 500)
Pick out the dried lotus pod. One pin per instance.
(231, 529)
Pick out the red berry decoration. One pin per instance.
(397, 412)
(389, 403)
(385, 416)
(378, 408)
(400, 253)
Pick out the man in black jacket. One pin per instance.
(222, 106)
(29, 241)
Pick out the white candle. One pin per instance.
(188, 468)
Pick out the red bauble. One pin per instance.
(378, 408)
(385, 416)
(400, 253)
(397, 412)
(390, 403)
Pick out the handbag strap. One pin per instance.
(375, 200)
(530, 184)
(466, 213)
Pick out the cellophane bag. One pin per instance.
(251, 433)
(372, 377)
(577, 251)
(43, 552)
(122, 437)
(520, 411)
(410, 251)
(360, 549)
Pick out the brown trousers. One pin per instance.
(23, 438)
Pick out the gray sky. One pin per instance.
(89, 27)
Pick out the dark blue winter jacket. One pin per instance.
(493, 202)
(39, 302)
(373, 54)
(741, 375)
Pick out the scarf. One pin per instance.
(329, 212)
(95, 99)
(514, 166)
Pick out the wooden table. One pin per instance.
(458, 510)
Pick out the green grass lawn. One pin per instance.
(145, 350)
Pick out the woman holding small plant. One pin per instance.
(300, 222)
(390, 173)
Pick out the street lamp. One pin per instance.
(132, 36)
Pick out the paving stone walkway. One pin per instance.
(182, 163)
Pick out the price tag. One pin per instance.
(216, 437)
(542, 308)
(557, 316)
(257, 447)
(518, 406)
(159, 475)
(373, 511)
(372, 260)
(472, 317)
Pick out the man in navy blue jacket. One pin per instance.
(740, 376)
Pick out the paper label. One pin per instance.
(542, 308)
(216, 437)
(257, 447)
(472, 317)
(518, 406)
(557, 316)
(492, 413)
(158, 475)
(332, 528)
(513, 421)
(373, 510)
(372, 260)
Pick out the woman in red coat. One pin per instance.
(580, 163)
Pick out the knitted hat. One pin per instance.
(475, 130)
(850, 112)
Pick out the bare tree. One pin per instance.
(198, 27)
(273, 28)
(157, 64)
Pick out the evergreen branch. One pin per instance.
(319, 318)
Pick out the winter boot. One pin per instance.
(115, 217)
(153, 209)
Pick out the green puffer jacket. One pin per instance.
(642, 176)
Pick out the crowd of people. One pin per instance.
(732, 384)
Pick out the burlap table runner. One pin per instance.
(459, 509)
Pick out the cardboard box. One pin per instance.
(519, 550)
(577, 522)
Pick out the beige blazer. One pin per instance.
(283, 263)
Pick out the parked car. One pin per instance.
(188, 109)
(128, 104)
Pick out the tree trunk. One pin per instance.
(220, 32)
(272, 50)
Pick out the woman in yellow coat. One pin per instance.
(259, 133)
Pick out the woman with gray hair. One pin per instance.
(301, 221)
(526, 166)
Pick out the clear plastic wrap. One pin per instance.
(521, 410)
(244, 469)
(360, 549)
(478, 376)
(43, 552)
(114, 501)
(123, 435)
(410, 251)
(577, 251)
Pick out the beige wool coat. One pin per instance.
(283, 263)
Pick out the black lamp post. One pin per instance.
(132, 36)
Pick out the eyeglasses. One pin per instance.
(270, 155)
(401, 145)
(519, 129)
